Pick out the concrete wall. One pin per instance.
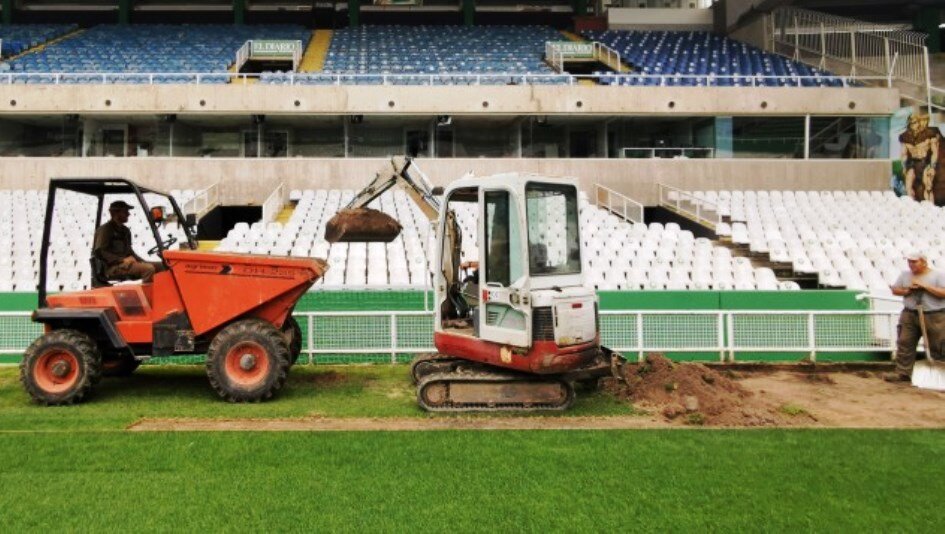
(251, 181)
(486, 100)
(680, 19)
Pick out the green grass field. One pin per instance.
(75, 468)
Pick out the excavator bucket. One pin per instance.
(361, 225)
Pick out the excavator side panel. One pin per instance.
(544, 357)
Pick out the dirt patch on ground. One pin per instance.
(329, 378)
(694, 394)
(850, 400)
(782, 398)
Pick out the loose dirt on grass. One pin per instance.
(664, 391)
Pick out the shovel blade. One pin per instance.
(928, 375)
(362, 225)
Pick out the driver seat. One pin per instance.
(98, 274)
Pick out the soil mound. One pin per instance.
(361, 225)
(694, 394)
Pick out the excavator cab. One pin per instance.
(532, 331)
(514, 326)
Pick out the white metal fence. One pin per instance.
(203, 201)
(618, 204)
(438, 79)
(667, 152)
(708, 335)
(273, 204)
(685, 203)
(828, 42)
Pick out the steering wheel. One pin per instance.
(166, 244)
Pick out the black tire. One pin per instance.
(256, 344)
(120, 366)
(61, 367)
(293, 337)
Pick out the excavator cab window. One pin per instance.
(554, 246)
(459, 308)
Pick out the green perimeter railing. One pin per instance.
(385, 326)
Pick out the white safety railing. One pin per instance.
(829, 42)
(607, 55)
(242, 55)
(618, 204)
(703, 211)
(441, 79)
(203, 201)
(719, 335)
(643, 152)
(274, 204)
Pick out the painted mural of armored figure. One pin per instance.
(920, 153)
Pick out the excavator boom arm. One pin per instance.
(402, 173)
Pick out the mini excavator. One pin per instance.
(517, 329)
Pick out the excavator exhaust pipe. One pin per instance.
(362, 225)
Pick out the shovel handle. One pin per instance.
(925, 334)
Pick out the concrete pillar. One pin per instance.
(927, 20)
(469, 12)
(239, 11)
(354, 13)
(7, 11)
(579, 6)
(124, 11)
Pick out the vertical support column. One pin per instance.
(469, 12)
(927, 20)
(579, 6)
(807, 136)
(7, 11)
(124, 11)
(354, 13)
(239, 11)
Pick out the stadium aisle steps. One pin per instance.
(571, 36)
(313, 60)
(41, 47)
(285, 214)
(616, 66)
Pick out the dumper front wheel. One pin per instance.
(61, 367)
(248, 361)
(293, 337)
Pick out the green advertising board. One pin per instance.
(574, 49)
(271, 48)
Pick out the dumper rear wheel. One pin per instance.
(248, 361)
(293, 337)
(61, 367)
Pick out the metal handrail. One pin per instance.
(710, 152)
(497, 78)
(646, 331)
(677, 199)
(203, 201)
(629, 209)
(274, 203)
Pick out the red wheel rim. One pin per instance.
(56, 371)
(247, 364)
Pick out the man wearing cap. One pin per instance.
(918, 286)
(113, 246)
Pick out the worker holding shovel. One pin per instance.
(923, 296)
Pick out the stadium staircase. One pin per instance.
(43, 46)
(783, 271)
(286, 213)
(615, 65)
(313, 59)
